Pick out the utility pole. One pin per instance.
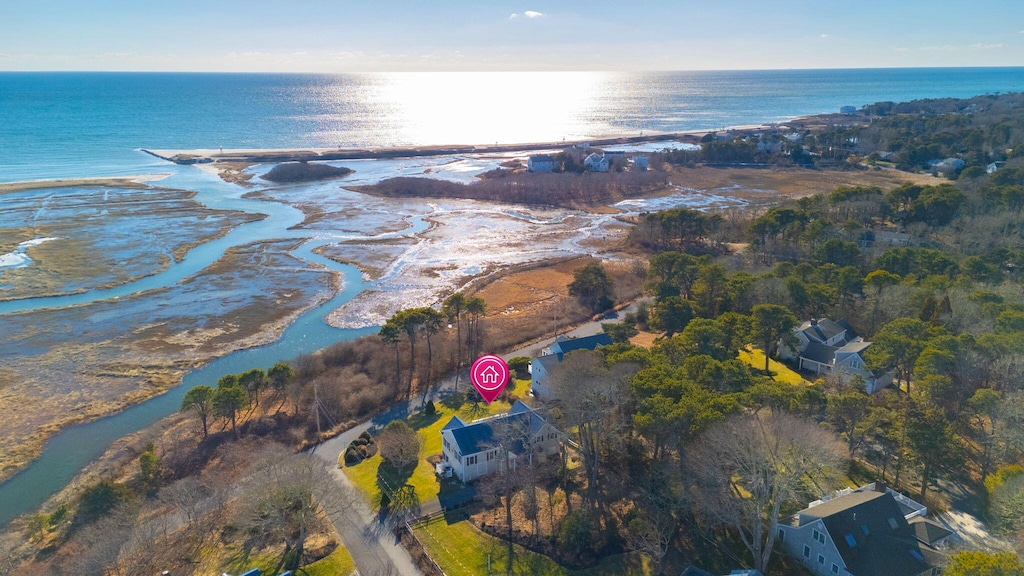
(316, 406)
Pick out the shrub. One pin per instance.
(520, 367)
(574, 532)
(430, 409)
(1002, 475)
(352, 457)
(100, 499)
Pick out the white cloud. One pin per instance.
(532, 14)
(513, 16)
(986, 46)
(824, 35)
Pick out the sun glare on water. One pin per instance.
(486, 107)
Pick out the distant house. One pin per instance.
(850, 110)
(541, 163)
(946, 165)
(470, 451)
(542, 366)
(883, 238)
(863, 532)
(769, 146)
(641, 162)
(794, 137)
(826, 346)
(596, 163)
(994, 167)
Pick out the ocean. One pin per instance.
(71, 125)
(60, 125)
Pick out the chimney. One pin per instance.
(880, 486)
(814, 322)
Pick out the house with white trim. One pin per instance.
(827, 347)
(472, 450)
(542, 366)
(863, 532)
(596, 162)
(541, 163)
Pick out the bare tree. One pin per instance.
(587, 393)
(651, 531)
(285, 499)
(512, 450)
(747, 467)
(399, 444)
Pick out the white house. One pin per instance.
(596, 163)
(863, 532)
(641, 162)
(825, 346)
(473, 450)
(541, 163)
(542, 366)
(995, 166)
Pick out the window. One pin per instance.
(892, 523)
(490, 456)
(917, 555)
(470, 460)
(815, 534)
(821, 559)
(835, 568)
(821, 537)
(807, 551)
(850, 541)
(782, 535)
(864, 529)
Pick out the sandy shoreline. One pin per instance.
(207, 156)
(136, 181)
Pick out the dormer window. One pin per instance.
(892, 523)
(850, 541)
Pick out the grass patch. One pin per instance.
(338, 563)
(780, 372)
(463, 550)
(234, 558)
(422, 480)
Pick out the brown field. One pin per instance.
(529, 303)
(768, 183)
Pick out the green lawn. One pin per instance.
(424, 484)
(755, 357)
(339, 563)
(461, 549)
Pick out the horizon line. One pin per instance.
(482, 71)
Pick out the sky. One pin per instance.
(418, 35)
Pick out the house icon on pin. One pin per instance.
(489, 376)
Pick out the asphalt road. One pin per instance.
(367, 535)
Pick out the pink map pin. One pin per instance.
(489, 376)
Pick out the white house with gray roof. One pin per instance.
(471, 450)
(866, 531)
(833, 347)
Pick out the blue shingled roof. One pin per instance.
(567, 345)
(455, 422)
(479, 436)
